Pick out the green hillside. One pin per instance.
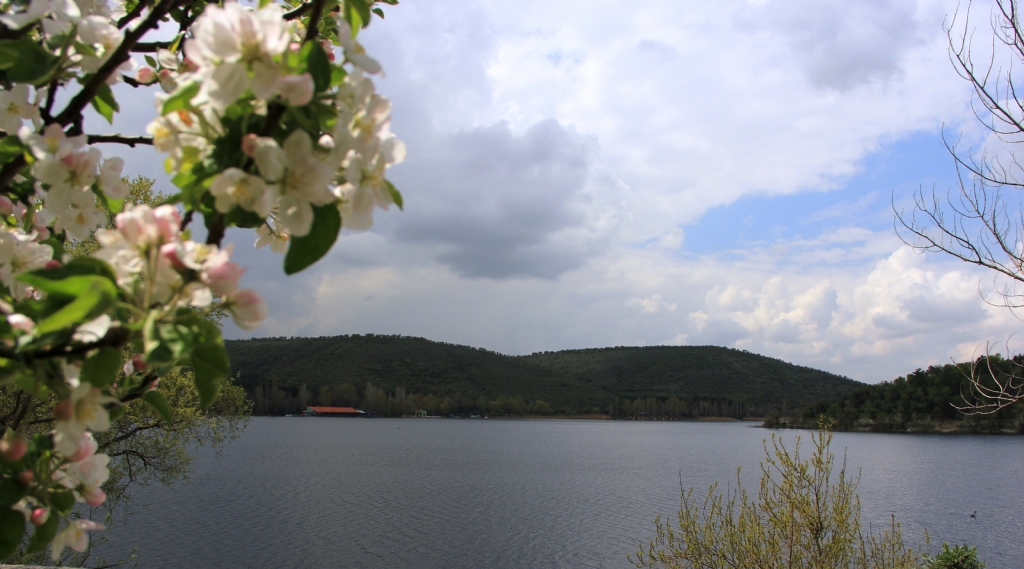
(702, 372)
(282, 374)
(922, 401)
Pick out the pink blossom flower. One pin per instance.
(222, 278)
(247, 308)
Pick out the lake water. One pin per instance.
(417, 493)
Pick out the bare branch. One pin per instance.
(120, 139)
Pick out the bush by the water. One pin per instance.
(802, 516)
(956, 557)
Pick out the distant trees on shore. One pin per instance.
(924, 400)
(273, 399)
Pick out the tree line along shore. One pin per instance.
(396, 376)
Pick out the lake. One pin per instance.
(489, 493)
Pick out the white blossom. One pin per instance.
(86, 411)
(233, 187)
(277, 238)
(354, 50)
(19, 253)
(74, 535)
(14, 107)
(301, 178)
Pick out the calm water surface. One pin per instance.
(327, 492)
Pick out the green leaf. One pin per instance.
(210, 365)
(338, 75)
(151, 61)
(10, 147)
(10, 492)
(44, 534)
(105, 104)
(357, 13)
(63, 500)
(182, 99)
(308, 249)
(74, 267)
(25, 61)
(396, 196)
(159, 402)
(97, 297)
(318, 66)
(12, 528)
(100, 369)
(67, 288)
(379, 12)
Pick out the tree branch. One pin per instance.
(120, 139)
(312, 30)
(120, 55)
(130, 433)
(150, 46)
(136, 11)
(298, 12)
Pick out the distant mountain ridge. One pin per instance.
(570, 381)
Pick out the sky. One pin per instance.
(606, 173)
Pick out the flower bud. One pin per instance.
(295, 46)
(21, 322)
(249, 144)
(39, 516)
(328, 49)
(12, 448)
(145, 75)
(42, 232)
(94, 496)
(168, 221)
(52, 264)
(26, 477)
(6, 205)
(64, 410)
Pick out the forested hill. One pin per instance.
(677, 381)
(695, 372)
(922, 401)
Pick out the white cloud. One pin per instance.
(557, 147)
(652, 305)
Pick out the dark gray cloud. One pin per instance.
(841, 45)
(500, 203)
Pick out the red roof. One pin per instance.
(350, 410)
